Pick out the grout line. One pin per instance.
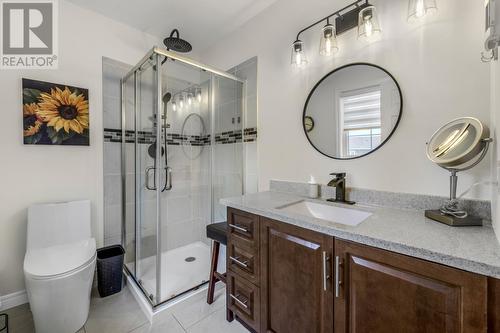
(209, 314)
(141, 325)
(178, 322)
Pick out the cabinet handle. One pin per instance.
(241, 263)
(338, 282)
(243, 304)
(237, 227)
(325, 272)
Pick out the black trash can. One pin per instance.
(110, 270)
(4, 323)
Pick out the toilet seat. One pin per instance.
(59, 260)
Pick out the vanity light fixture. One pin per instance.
(298, 56)
(328, 40)
(346, 19)
(419, 8)
(368, 22)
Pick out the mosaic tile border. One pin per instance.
(143, 137)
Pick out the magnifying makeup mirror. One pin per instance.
(457, 146)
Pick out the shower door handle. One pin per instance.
(168, 180)
(148, 170)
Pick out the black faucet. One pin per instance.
(339, 183)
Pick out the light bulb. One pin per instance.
(420, 8)
(298, 57)
(174, 106)
(368, 25)
(190, 98)
(417, 9)
(198, 95)
(181, 102)
(328, 41)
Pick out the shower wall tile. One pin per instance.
(112, 184)
(248, 70)
(112, 153)
(179, 234)
(251, 112)
(112, 216)
(178, 210)
(111, 91)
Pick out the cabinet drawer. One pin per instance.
(243, 299)
(243, 228)
(243, 261)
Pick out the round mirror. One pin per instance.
(354, 111)
(457, 142)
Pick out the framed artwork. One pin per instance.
(55, 114)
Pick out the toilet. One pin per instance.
(59, 265)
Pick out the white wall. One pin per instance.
(495, 161)
(33, 174)
(437, 64)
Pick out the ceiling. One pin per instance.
(201, 22)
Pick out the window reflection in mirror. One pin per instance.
(355, 109)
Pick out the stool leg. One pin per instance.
(213, 269)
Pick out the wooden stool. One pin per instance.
(216, 232)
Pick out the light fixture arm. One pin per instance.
(337, 13)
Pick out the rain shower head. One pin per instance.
(176, 43)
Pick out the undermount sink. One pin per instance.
(347, 216)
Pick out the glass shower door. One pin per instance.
(146, 178)
(142, 176)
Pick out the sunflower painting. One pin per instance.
(55, 114)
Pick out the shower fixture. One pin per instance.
(163, 150)
(176, 43)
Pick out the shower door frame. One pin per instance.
(157, 53)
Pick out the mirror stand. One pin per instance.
(450, 213)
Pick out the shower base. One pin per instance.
(183, 269)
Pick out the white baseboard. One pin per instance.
(13, 300)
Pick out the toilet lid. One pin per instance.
(59, 259)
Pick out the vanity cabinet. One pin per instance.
(282, 278)
(381, 291)
(296, 279)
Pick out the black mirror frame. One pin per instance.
(338, 69)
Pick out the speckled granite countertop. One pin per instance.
(474, 249)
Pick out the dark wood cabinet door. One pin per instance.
(296, 283)
(381, 291)
(493, 305)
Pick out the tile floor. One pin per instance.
(120, 313)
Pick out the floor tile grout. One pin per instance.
(177, 320)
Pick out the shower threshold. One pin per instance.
(185, 272)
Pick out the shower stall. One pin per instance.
(182, 150)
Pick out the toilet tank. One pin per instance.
(58, 223)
